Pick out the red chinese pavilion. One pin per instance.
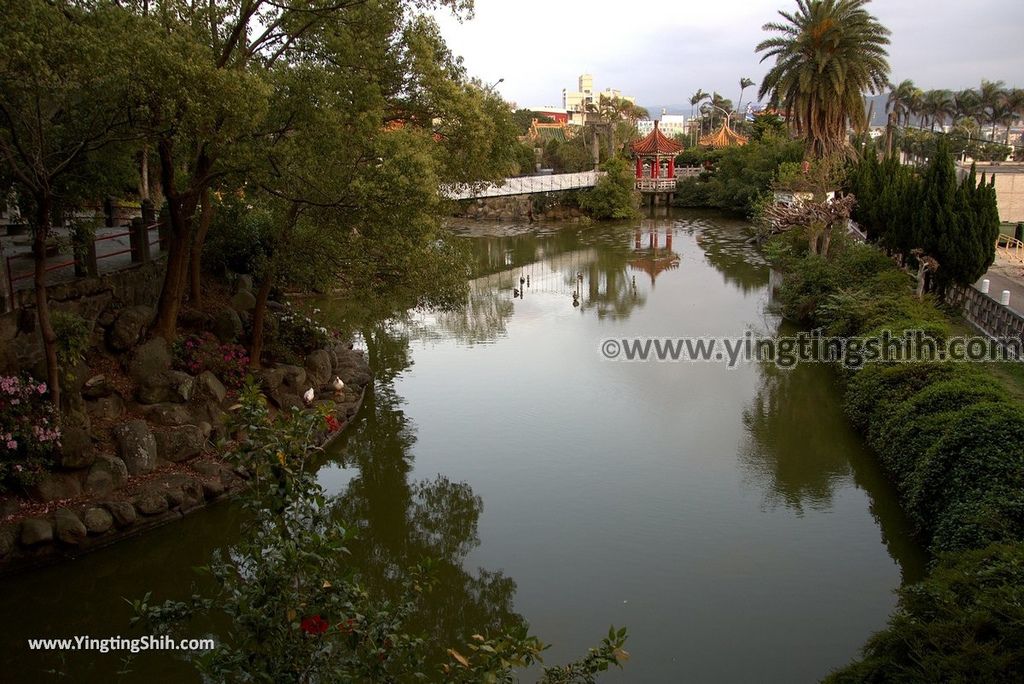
(656, 165)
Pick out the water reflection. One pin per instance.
(403, 522)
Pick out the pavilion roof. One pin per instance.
(656, 143)
(723, 137)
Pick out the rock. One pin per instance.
(8, 539)
(206, 429)
(96, 387)
(76, 449)
(122, 512)
(129, 327)
(277, 307)
(209, 387)
(107, 474)
(243, 301)
(193, 492)
(70, 528)
(169, 414)
(207, 468)
(272, 378)
(294, 378)
(318, 367)
(180, 443)
(149, 363)
(243, 283)
(212, 487)
(106, 408)
(136, 446)
(227, 325)
(353, 369)
(36, 531)
(175, 497)
(97, 520)
(54, 486)
(283, 400)
(182, 385)
(151, 501)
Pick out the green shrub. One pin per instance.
(980, 518)
(875, 390)
(980, 450)
(964, 623)
(29, 431)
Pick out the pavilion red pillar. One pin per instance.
(672, 166)
(639, 167)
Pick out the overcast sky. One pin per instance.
(661, 52)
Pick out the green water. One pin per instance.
(729, 518)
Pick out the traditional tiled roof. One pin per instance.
(723, 137)
(545, 131)
(656, 143)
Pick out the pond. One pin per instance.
(729, 517)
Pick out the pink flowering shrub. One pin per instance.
(197, 353)
(29, 433)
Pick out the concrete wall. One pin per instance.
(1009, 187)
(986, 314)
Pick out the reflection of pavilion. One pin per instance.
(654, 258)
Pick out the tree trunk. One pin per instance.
(259, 315)
(920, 280)
(259, 312)
(144, 174)
(195, 263)
(42, 232)
(826, 240)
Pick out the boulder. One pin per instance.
(36, 531)
(243, 283)
(8, 539)
(150, 361)
(106, 408)
(70, 528)
(212, 487)
(151, 501)
(207, 386)
(352, 368)
(122, 512)
(272, 378)
(130, 326)
(97, 520)
(284, 400)
(294, 378)
(318, 367)
(96, 387)
(136, 446)
(207, 468)
(107, 474)
(227, 325)
(180, 443)
(169, 414)
(76, 449)
(182, 385)
(54, 486)
(243, 301)
(206, 429)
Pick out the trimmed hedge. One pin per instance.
(952, 441)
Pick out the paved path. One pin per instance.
(1006, 275)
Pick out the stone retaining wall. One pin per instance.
(520, 207)
(94, 299)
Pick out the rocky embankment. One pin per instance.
(145, 449)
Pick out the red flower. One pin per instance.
(348, 626)
(332, 424)
(314, 624)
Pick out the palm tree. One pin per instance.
(695, 100)
(937, 106)
(903, 99)
(991, 96)
(1015, 107)
(722, 104)
(744, 84)
(967, 104)
(828, 54)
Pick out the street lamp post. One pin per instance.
(495, 84)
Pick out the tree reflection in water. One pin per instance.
(403, 522)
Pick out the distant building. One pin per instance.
(556, 114)
(669, 124)
(578, 102)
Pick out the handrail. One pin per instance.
(1010, 247)
(11, 278)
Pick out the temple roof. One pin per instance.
(547, 130)
(723, 137)
(656, 143)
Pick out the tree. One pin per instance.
(63, 85)
(614, 196)
(744, 84)
(903, 100)
(695, 101)
(991, 102)
(828, 54)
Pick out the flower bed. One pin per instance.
(29, 432)
(197, 353)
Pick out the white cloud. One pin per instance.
(662, 51)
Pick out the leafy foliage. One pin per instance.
(614, 196)
(29, 433)
(204, 352)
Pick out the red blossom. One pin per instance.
(332, 423)
(314, 624)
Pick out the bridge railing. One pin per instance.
(1011, 248)
(527, 185)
